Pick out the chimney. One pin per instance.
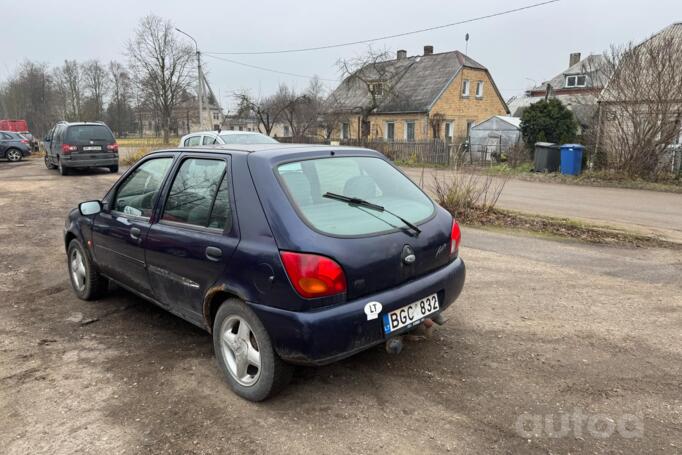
(428, 50)
(573, 59)
(402, 53)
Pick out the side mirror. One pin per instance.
(47, 139)
(90, 208)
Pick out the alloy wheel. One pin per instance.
(14, 155)
(78, 273)
(240, 350)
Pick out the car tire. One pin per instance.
(63, 170)
(236, 347)
(48, 163)
(13, 155)
(114, 169)
(86, 280)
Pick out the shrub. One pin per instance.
(548, 121)
(469, 197)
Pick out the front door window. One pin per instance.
(137, 194)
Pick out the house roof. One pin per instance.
(418, 82)
(583, 105)
(670, 38)
(592, 66)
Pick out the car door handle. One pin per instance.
(135, 233)
(213, 253)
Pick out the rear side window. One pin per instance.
(208, 140)
(371, 179)
(199, 194)
(86, 133)
(193, 141)
(137, 194)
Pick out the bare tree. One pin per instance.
(96, 84)
(375, 74)
(301, 110)
(120, 112)
(267, 111)
(641, 106)
(70, 87)
(30, 94)
(162, 65)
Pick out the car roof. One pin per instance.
(269, 150)
(82, 123)
(227, 132)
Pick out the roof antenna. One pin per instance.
(466, 45)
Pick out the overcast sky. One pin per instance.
(518, 48)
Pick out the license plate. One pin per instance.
(92, 147)
(411, 314)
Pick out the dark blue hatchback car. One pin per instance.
(287, 254)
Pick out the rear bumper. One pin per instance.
(330, 334)
(110, 159)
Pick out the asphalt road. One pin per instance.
(649, 212)
(545, 332)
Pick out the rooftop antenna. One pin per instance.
(466, 45)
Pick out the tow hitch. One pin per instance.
(421, 332)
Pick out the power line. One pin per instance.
(262, 68)
(397, 35)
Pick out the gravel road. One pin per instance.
(554, 347)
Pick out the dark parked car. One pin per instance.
(80, 145)
(286, 254)
(14, 146)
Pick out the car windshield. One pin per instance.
(247, 139)
(85, 133)
(371, 179)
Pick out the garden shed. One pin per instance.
(493, 137)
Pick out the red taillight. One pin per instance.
(112, 147)
(313, 275)
(455, 239)
(66, 148)
(24, 141)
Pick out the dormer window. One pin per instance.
(377, 88)
(578, 80)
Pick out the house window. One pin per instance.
(579, 80)
(479, 89)
(465, 87)
(448, 131)
(286, 130)
(390, 131)
(409, 131)
(345, 130)
(216, 116)
(470, 123)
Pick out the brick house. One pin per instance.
(418, 98)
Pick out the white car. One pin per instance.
(224, 137)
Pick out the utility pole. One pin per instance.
(200, 79)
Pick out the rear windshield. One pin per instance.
(371, 179)
(247, 139)
(85, 133)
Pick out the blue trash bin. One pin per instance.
(571, 159)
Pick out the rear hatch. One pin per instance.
(376, 250)
(90, 141)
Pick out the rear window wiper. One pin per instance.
(355, 201)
